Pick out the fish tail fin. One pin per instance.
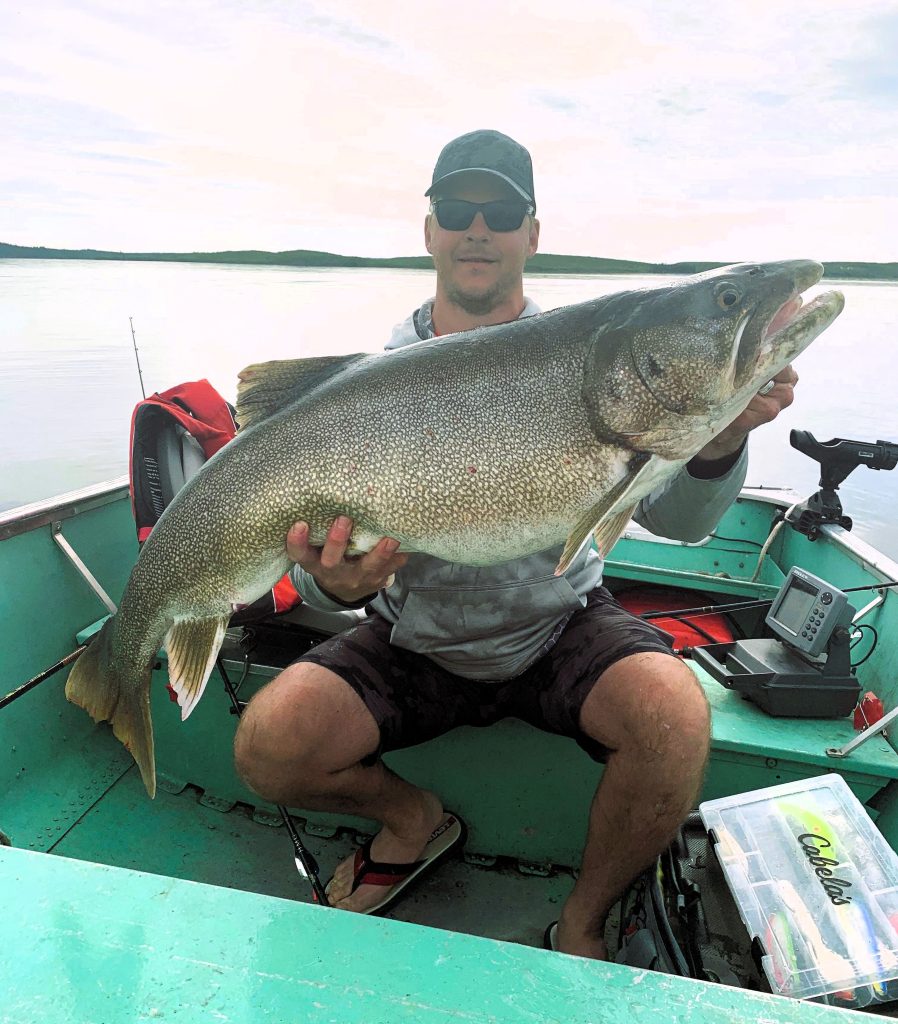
(107, 693)
(193, 646)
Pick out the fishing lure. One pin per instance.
(860, 935)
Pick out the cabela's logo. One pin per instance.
(834, 888)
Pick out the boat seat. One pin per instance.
(523, 793)
(475, 770)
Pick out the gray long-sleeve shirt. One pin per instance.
(491, 622)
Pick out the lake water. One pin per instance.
(68, 377)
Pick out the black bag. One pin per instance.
(679, 917)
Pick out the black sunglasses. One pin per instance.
(500, 214)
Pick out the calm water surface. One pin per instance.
(68, 378)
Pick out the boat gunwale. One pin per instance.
(37, 514)
(873, 560)
(33, 516)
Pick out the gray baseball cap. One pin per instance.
(489, 151)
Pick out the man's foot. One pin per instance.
(392, 860)
(567, 939)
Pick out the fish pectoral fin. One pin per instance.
(609, 530)
(193, 646)
(606, 533)
(607, 519)
(266, 388)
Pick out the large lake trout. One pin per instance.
(477, 448)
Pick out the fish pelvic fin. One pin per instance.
(266, 388)
(193, 646)
(108, 693)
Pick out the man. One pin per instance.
(428, 656)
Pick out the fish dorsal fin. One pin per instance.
(192, 646)
(266, 388)
(607, 519)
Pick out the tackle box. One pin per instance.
(816, 885)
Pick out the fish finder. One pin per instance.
(804, 670)
(807, 610)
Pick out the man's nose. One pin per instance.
(478, 227)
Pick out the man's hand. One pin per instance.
(761, 409)
(348, 579)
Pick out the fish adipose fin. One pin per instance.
(192, 646)
(266, 388)
(110, 693)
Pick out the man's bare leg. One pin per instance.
(651, 711)
(300, 742)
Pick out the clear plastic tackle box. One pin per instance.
(816, 885)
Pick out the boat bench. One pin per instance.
(523, 793)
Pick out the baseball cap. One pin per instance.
(490, 151)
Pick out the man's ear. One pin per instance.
(427, 222)
(534, 237)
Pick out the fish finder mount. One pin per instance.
(837, 457)
(803, 670)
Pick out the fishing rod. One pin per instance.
(737, 606)
(136, 356)
(41, 676)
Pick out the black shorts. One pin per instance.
(413, 699)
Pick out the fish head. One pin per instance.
(690, 355)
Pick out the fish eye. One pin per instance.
(727, 296)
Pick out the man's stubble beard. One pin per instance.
(478, 303)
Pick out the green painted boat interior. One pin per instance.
(190, 907)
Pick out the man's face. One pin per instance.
(478, 269)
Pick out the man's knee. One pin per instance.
(304, 725)
(649, 701)
(678, 701)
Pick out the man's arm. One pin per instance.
(691, 505)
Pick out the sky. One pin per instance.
(697, 130)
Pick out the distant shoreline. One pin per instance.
(541, 263)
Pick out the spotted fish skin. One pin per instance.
(476, 448)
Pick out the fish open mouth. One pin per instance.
(790, 330)
(793, 315)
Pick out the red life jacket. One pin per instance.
(172, 434)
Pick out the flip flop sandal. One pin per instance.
(550, 938)
(448, 837)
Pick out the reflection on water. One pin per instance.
(68, 377)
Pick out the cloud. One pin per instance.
(655, 130)
(51, 120)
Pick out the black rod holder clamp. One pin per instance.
(838, 457)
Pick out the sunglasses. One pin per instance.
(500, 214)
